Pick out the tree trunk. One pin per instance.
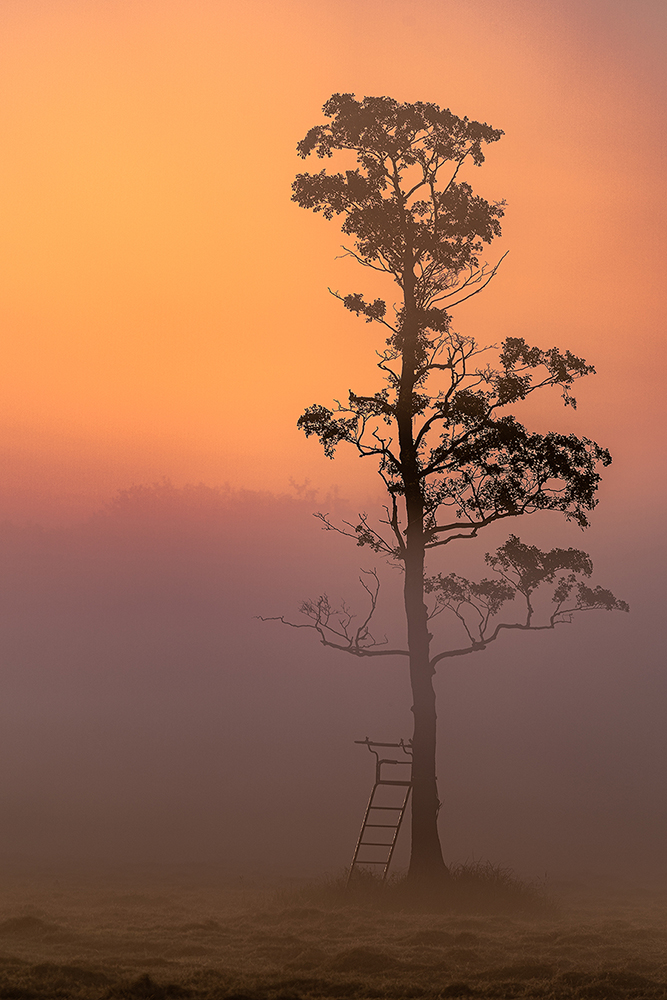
(426, 862)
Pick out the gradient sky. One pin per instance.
(165, 313)
(164, 304)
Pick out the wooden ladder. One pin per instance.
(384, 813)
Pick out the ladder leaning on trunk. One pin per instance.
(384, 813)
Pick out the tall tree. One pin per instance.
(452, 457)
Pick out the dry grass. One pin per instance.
(166, 934)
(475, 887)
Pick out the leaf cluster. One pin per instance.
(522, 570)
(476, 462)
(394, 203)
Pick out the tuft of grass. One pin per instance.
(489, 888)
(473, 887)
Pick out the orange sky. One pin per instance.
(164, 305)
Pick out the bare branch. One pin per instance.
(334, 624)
(489, 277)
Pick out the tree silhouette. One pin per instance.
(452, 457)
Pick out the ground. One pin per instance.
(159, 933)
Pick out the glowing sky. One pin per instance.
(164, 304)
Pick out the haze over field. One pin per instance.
(148, 716)
(166, 319)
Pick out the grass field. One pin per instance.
(177, 933)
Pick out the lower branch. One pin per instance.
(475, 647)
(334, 625)
(355, 650)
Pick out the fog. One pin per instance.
(147, 715)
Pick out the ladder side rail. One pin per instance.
(359, 844)
(396, 832)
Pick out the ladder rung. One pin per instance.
(373, 843)
(405, 784)
(383, 826)
(389, 808)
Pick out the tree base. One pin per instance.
(428, 881)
